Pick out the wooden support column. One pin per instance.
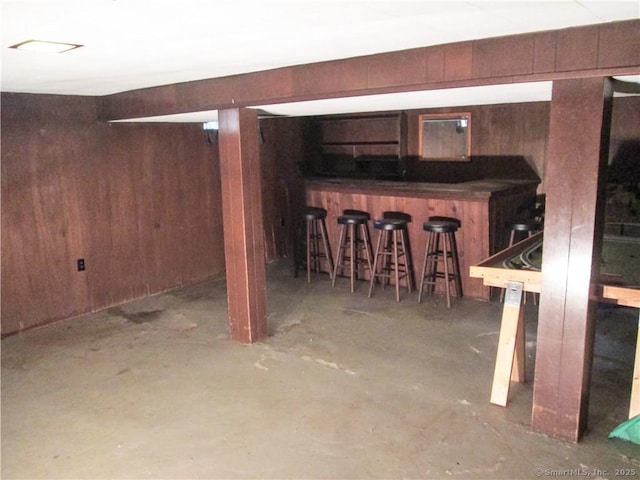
(577, 156)
(243, 230)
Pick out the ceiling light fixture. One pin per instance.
(45, 46)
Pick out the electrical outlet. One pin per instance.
(81, 266)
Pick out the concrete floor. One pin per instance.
(345, 387)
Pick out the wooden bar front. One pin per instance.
(483, 207)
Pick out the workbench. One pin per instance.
(518, 269)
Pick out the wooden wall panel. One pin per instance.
(247, 89)
(140, 203)
(39, 242)
(618, 44)
(482, 53)
(322, 78)
(624, 148)
(399, 68)
(434, 58)
(458, 61)
(510, 139)
(544, 52)
(281, 152)
(577, 49)
(512, 55)
(507, 141)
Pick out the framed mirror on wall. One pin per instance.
(445, 137)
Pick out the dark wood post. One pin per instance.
(243, 230)
(577, 157)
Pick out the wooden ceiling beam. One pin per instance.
(595, 50)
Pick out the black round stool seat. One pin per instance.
(354, 219)
(350, 211)
(390, 224)
(396, 214)
(354, 245)
(440, 226)
(518, 229)
(314, 213)
(525, 226)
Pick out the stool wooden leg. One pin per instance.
(432, 267)
(315, 247)
(375, 263)
(327, 247)
(385, 267)
(309, 227)
(297, 248)
(367, 246)
(424, 265)
(352, 253)
(340, 257)
(404, 241)
(396, 263)
(385, 264)
(456, 263)
(445, 257)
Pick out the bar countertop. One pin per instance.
(477, 189)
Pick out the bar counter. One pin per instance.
(483, 206)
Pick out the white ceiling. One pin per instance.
(132, 44)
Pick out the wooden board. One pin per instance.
(509, 366)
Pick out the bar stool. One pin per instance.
(521, 229)
(407, 217)
(354, 235)
(390, 249)
(316, 237)
(350, 211)
(441, 250)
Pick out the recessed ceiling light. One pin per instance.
(45, 46)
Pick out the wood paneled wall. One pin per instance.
(510, 141)
(281, 158)
(507, 141)
(140, 203)
(624, 147)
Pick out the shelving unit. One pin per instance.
(367, 146)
